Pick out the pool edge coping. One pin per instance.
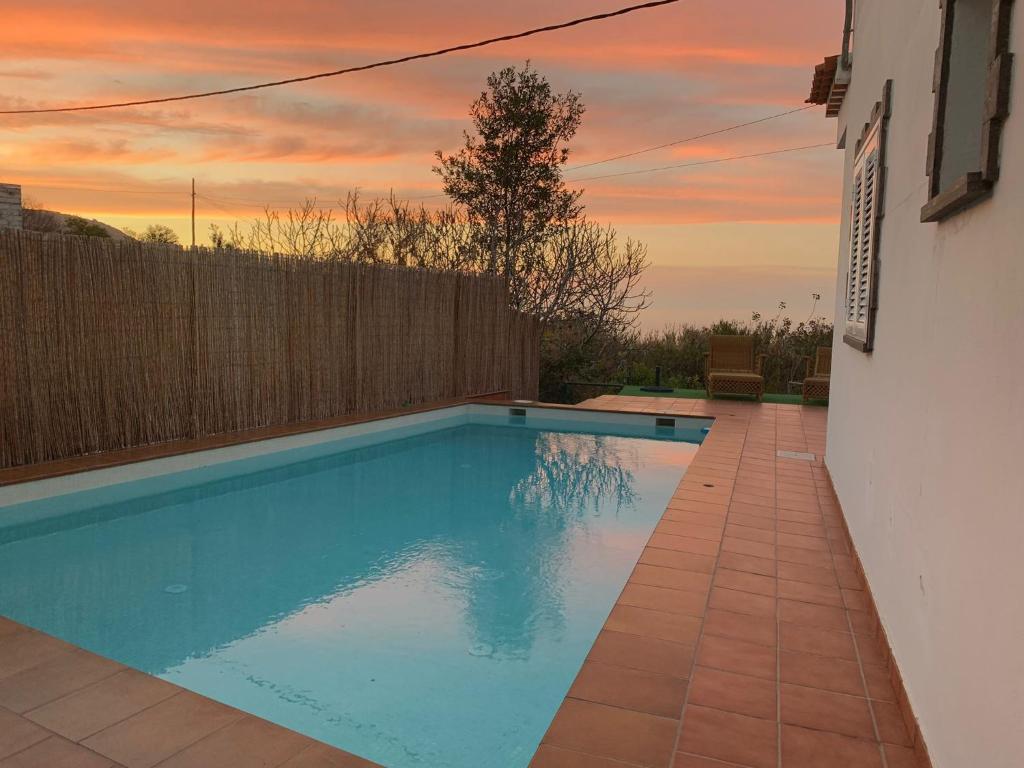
(126, 456)
(108, 459)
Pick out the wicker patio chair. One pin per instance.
(731, 367)
(819, 373)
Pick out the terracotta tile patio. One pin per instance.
(63, 707)
(745, 636)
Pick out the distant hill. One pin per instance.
(40, 220)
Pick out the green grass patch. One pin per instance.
(700, 394)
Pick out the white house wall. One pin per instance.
(926, 433)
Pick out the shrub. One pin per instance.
(76, 225)
(678, 351)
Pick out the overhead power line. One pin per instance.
(350, 70)
(216, 204)
(705, 162)
(623, 156)
(690, 138)
(221, 201)
(714, 161)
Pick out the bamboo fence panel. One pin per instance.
(108, 344)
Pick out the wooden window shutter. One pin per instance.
(856, 216)
(867, 242)
(863, 227)
(867, 211)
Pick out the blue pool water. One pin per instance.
(424, 603)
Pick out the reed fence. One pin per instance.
(108, 344)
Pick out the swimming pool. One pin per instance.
(419, 591)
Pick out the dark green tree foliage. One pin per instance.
(679, 352)
(508, 175)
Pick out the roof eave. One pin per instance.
(833, 76)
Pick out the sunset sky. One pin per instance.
(725, 239)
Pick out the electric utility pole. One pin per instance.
(193, 212)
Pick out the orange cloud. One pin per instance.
(647, 79)
(84, 152)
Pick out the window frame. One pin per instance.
(974, 186)
(857, 334)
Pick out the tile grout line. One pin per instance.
(696, 641)
(707, 602)
(715, 760)
(66, 693)
(118, 722)
(53, 735)
(856, 647)
(213, 733)
(49, 735)
(133, 714)
(778, 620)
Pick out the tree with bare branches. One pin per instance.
(154, 233)
(511, 214)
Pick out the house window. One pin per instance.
(972, 101)
(866, 212)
